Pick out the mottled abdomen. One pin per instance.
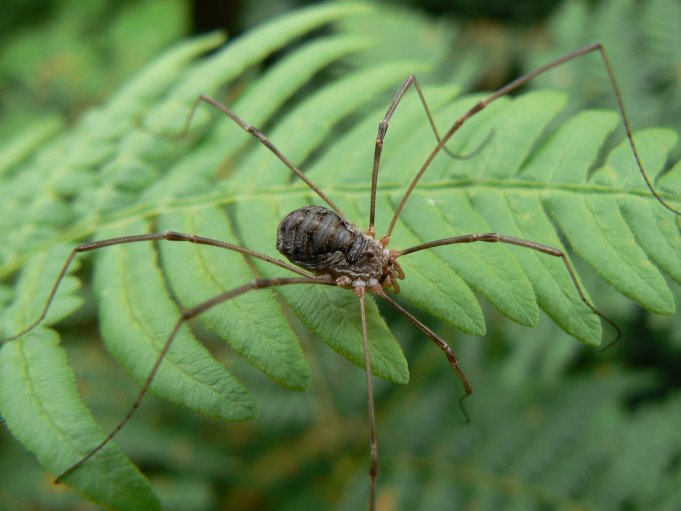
(317, 239)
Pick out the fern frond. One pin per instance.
(566, 445)
(646, 57)
(116, 174)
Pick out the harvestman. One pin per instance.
(327, 249)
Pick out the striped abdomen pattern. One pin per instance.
(317, 239)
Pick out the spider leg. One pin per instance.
(493, 237)
(264, 141)
(184, 317)
(480, 105)
(383, 129)
(168, 235)
(441, 343)
(373, 441)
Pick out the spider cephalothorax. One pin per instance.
(319, 240)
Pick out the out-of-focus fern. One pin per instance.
(407, 34)
(646, 54)
(563, 444)
(78, 53)
(116, 174)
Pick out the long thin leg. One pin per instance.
(514, 85)
(383, 129)
(441, 343)
(186, 316)
(493, 237)
(373, 441)
(266, 142)
(168, 235)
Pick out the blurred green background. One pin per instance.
(555, 425)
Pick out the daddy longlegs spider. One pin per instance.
(326, 249)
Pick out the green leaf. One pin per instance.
(253, 323)
(137, 316)
(35, 281)
(58, 427)
(527, 171)
(603, 236)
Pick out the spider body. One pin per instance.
(320, 240)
